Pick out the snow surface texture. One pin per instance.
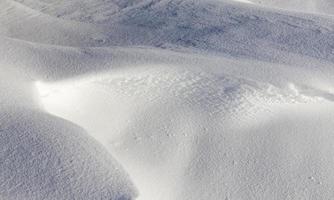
(194, 99)
(311, 6)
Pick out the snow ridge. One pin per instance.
(165, 99)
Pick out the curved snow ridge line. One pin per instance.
(312, 92)
(98, 11)
(23, 23)
(216, 27)
(39, 10)
(54, 63)
(323, 7)
(208, 92)
(242, 1)
(12, 6)
(45, 157)
(16, 89)
(229, 29)
(192, 143)
(51, 62)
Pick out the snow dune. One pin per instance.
(191, 126)
(213, 27)
(193, 99)
(44, 157)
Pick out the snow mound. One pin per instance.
(203, 122)
(229, 29)
(216, 27)
(44, 157)
(194, 99)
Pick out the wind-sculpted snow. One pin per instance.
(205, 99)
(224, 28)
(44, 157)
(96, 11)
(176, 117)
(21, 22)
(210, 26)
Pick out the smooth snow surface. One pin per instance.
(166, 100)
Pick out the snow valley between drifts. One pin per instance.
(166, 100)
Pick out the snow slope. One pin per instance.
(44, 157)
(203, 131)
(212, 26)
(95, 11)
(312, 6)
(194, 99)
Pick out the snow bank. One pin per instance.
(215, 27)
(44, 157)
(201, 123)
(195, 99)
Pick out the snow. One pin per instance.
(45, 157)
(166, 99)
(323, 7)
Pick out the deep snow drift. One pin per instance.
(165, 100)
(43, 157)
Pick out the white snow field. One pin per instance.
(166, 100)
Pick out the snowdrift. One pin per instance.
(44, 157)
(193, 99)
(200, 128)
(213, 27)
